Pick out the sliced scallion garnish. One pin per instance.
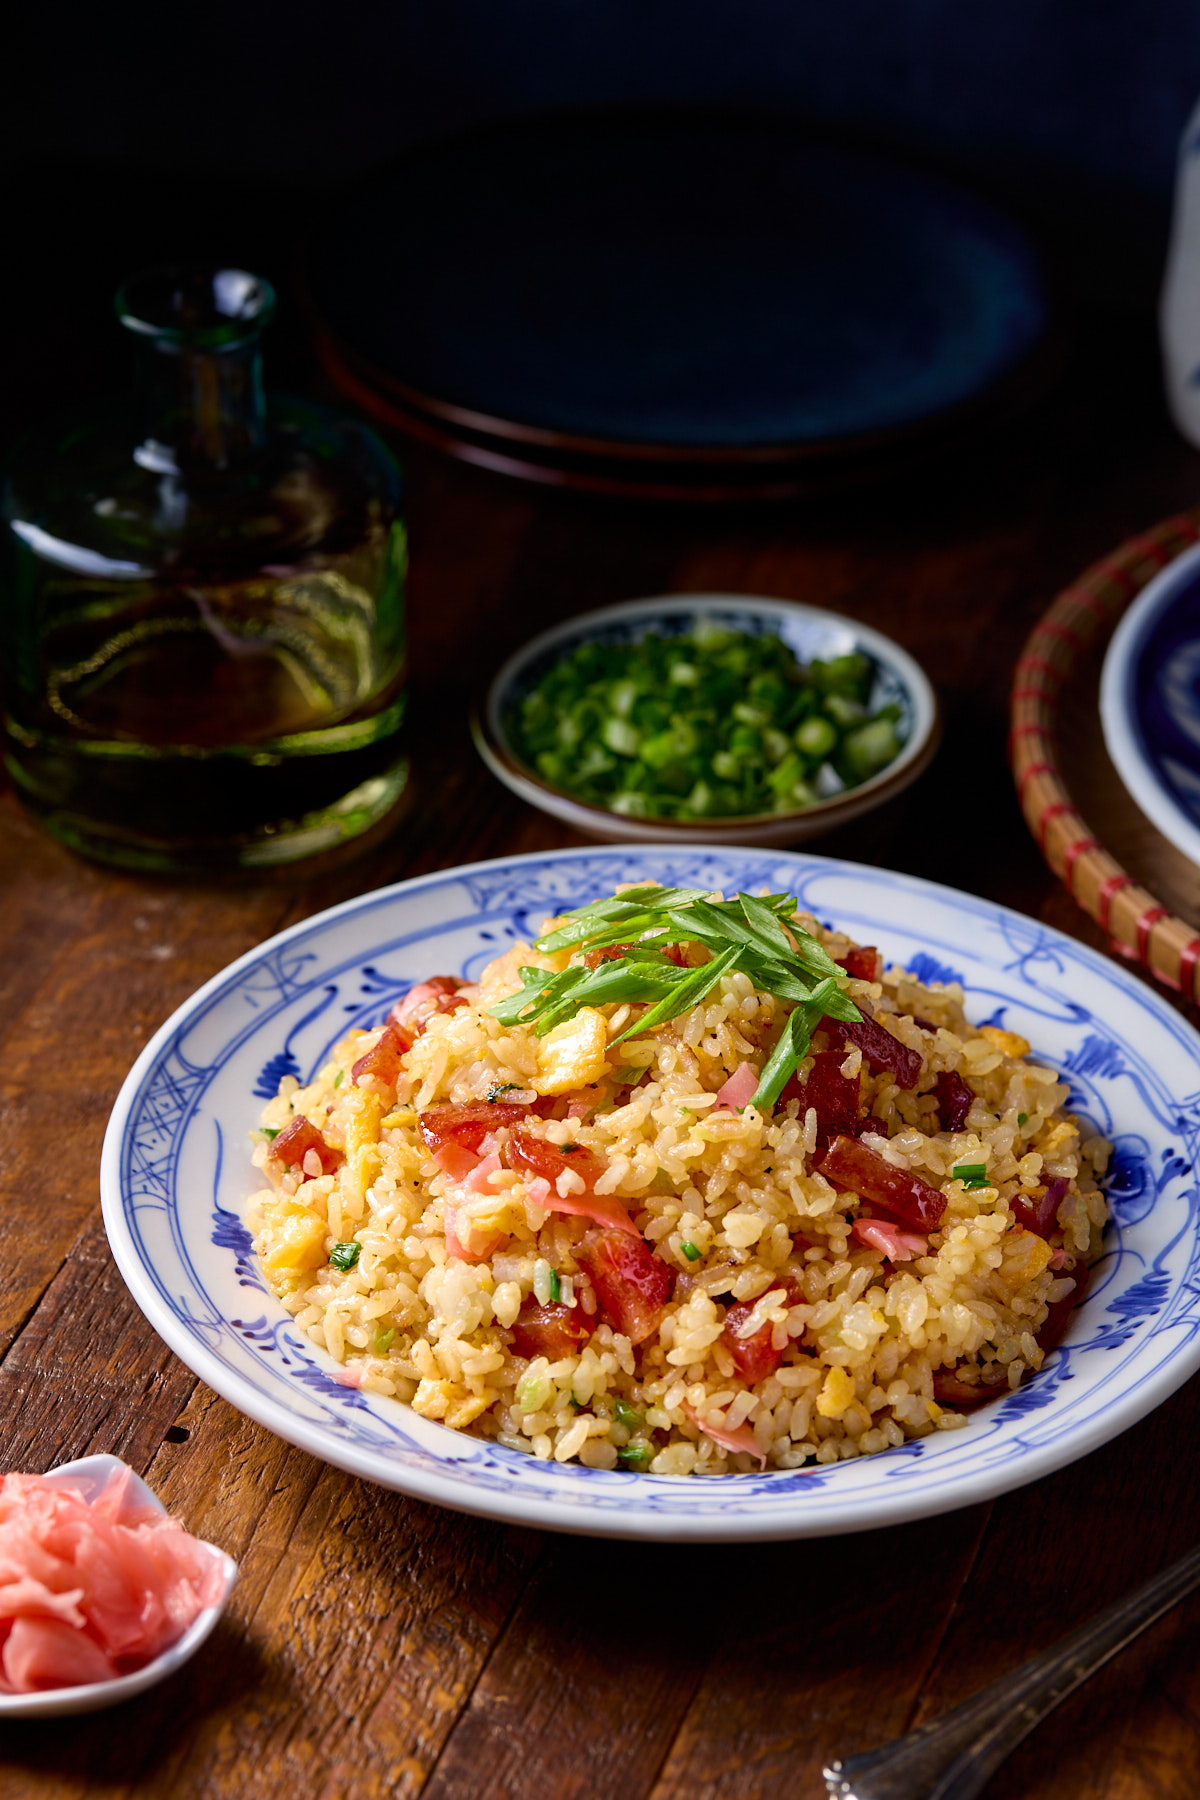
(971, 1174)
(636, 1456)
(636, 927)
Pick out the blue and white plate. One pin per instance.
(1150, 701)
(176, 1174)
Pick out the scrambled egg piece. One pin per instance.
(836, 1393)
(573, 1054)
(297, 1239)
(361, 1127)
(1025, 1255)
(447, 1400)
(1010, 1043)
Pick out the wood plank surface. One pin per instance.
(376, 1646)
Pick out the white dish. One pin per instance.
(1150, 701)
(91, 1474)
(809, 632)
(176, 1174)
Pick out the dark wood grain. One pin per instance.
(376, 1646)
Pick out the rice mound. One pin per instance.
(731, 1203)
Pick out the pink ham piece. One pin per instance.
(742, 1438)
(456, 1161)
(438, 994)
(91, 1591)
(739, 1090)
(899, 1246)
(349, 1377)
(532, 1155)
(480, 1179)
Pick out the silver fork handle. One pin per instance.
(952, 1757)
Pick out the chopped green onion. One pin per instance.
(636, 1456)
(628, 1416)
(555, 1288)
(339, 1078)
(865, 751)
(382, 1341)
(816, 737)
(270, 1132)
(972, 1175)
(690, 1251)
(707, 723)
(344, 1256)
(1022, 1118)
(501, 1087)
(621, 736)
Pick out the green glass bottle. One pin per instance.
(202, 617)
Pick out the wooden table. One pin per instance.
(376, 1646)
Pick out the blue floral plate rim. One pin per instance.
(1150, 701)
(173, 1180)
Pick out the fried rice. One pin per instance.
(606, 1254)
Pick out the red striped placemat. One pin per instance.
(1075, 629)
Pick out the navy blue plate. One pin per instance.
(1150, 702)
(673, 286)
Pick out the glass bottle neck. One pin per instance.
(202, 407)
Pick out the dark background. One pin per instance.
(133, 135)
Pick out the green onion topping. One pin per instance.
(382, 1341)
(344, 1256)
(270, 1132)
(555, 1288)
(690, 1251)
(636, 1456)
(339, 1077)
(972, 1175)
(502, 1087)
(1022, 1118)
(628, 1416)
(641, 924)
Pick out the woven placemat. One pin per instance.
(1141, 891)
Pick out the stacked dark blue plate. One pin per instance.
(692, 304)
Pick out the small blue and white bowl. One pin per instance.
(1150, 702)
(809, 632)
